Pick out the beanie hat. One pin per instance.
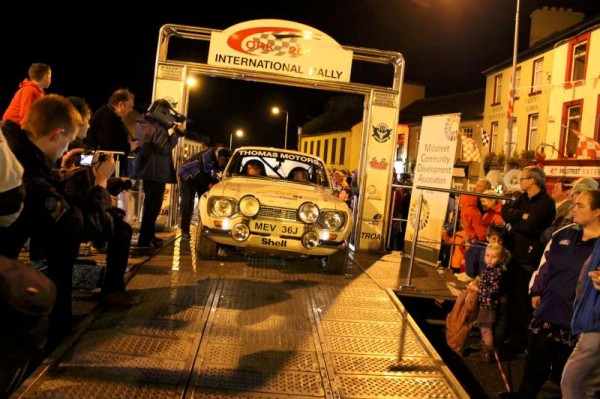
(584, 184)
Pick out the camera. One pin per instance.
(162, 112)
(86, 159)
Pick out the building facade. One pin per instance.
(556, 98)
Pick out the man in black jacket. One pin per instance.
(48, 214)
(108, 131)
(528, 216)
(116, 233)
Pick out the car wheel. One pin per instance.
(336, 263)
(205, 247)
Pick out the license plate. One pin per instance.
(277, 228)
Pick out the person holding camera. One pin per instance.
(158, 133)
(113, 231)
(48, 213)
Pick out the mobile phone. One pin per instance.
(86, 159)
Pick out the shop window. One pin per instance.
(533, 139)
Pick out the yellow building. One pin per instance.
(335, 136)
(553, 78)
(574, 104)
(557, 95)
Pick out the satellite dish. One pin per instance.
(495, 177)
(511, 180)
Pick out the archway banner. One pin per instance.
(280, 47)
(435, 164)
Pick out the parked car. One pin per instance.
(278, 202)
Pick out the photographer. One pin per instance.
(109, 229)
(154, 162)
(48, 213)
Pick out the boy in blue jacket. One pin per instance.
(581, 375)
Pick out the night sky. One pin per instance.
(446, 45)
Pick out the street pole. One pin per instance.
(511, 100)
(230, 140)
(287, 114)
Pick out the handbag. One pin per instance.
(26, 295)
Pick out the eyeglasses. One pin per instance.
(524, 178)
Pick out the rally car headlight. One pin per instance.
(249, 206)
(221, 207)
(332, 220)
(308, 212)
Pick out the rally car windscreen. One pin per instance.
(272, 164)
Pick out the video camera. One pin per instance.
(162, 112)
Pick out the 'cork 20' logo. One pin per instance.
(278, 41)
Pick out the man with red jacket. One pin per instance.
(40, 77)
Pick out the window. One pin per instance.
(312, 147)
(325, 149)
(517, 82)
(342, 150)
(333, 149)
(497, 89)
(533, 139)
(493, 136)
(571, 126)
(578, 65)
(538, 70)
(318, 148)
(577, 61)
(468, 131)
(305, 146)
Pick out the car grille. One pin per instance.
(277, 213)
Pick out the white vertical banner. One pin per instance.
(381, 144)
(435, 163)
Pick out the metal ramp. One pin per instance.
(262, 328)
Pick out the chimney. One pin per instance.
(548, 20)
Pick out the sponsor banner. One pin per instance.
(380, 149)
(280, 47)
(170, 84)
(434, 168)
(572, 171)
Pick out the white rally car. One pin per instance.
(277, 202)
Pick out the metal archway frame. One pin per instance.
(183, 69)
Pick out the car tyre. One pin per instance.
(205, 247)
(336, 262)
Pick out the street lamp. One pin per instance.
(277, 110)
(238, 133)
